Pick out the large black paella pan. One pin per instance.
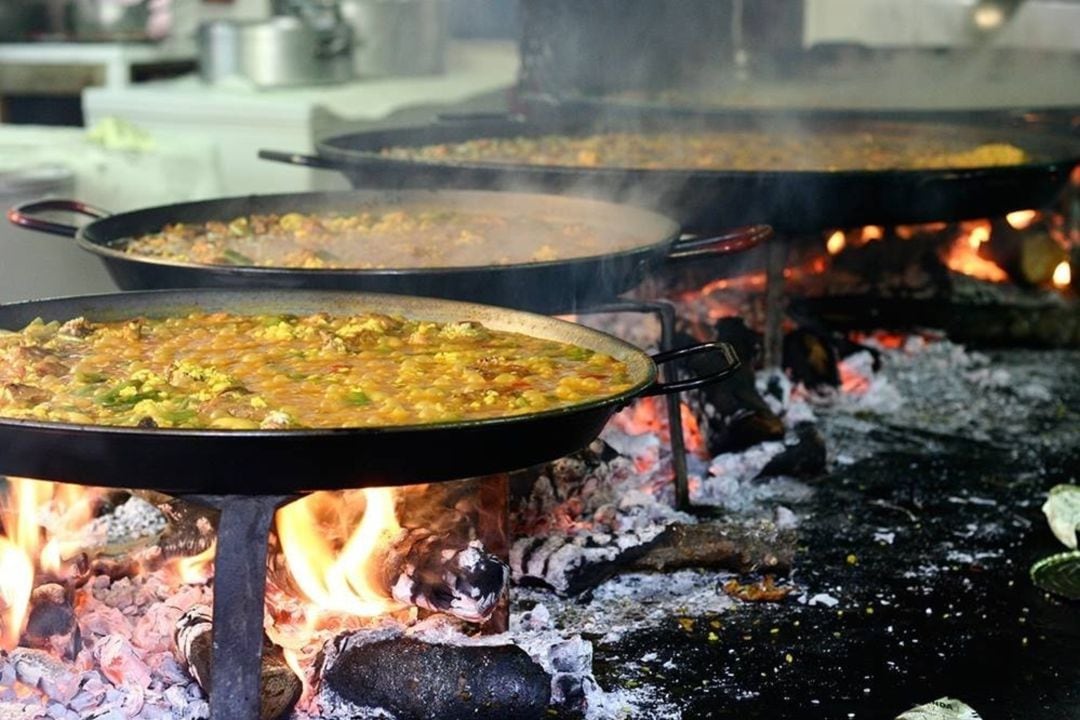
(296, 460)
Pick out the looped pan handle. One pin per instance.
(732, 241)
(24, 215)
(716, 349)
(290, 158)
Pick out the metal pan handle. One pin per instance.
(742, 238)
(479, 117)
(24, 216)
(723, 350)
(311, 161)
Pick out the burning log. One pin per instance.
(191, 527)
(571, 565)
(736, 415)
(51, 623)
(416, 680)
(281, 688)
(423, 569)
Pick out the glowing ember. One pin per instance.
(649, 415)
(1062, 275)
(836, 242)
(1021, 218)
(872, 232)
(963, 257)
(329, 542)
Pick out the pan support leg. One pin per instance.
(239, 595)
(665, 312)
(775, 263)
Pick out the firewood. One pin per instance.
(736, 416)
(756, 547)
(280, 687)
(191, 527)
(51, 623)
(810, 357)
(570, 566)
(423, 569)
(415, 680)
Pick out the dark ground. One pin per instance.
(946, 609)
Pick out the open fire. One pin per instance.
(100, 615)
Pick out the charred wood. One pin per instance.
(755, 547)
(280, 687)
(415, 680)
(421, 568)
(810, 357)
(805, 458)
(40, 669)
(736, 416)
(51, 623)
(430, 571)
(573, 565)
(191, 527)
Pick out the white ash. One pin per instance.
(567, 658)
(948, 390)
(127, 669)
(132, 520)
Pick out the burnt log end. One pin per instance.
(416, 680)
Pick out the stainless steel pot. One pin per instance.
(398, 37)
(280, 51)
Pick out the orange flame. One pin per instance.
(329, 542)
(196, 569)
(1021, 218)
(872, 232)
(17, 572)
(836, 242)
(963, 255)
(24, 546)
(1062, 275)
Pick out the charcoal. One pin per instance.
(805, 458)
(809, 357)
(415, 680)
(51, 624)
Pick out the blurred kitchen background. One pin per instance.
(131, 103)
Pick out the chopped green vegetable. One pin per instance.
(357, 397)
(231, 257)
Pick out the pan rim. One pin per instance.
(633, 354)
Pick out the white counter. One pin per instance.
(240, 119)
